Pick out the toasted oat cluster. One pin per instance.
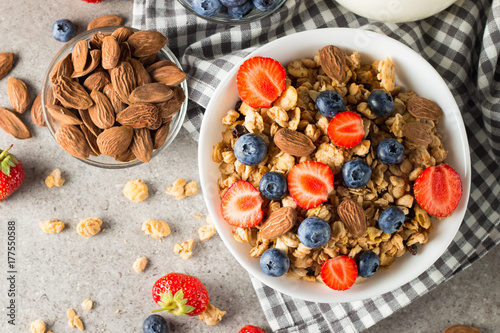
(89, 227)
(156, 228)
(181, 190)
(52, 226)
(389, 185)
(136, 190)
(212, 315)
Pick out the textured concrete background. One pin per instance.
(57, 272)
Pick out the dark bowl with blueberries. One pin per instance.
(232, 11)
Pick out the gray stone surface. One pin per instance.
(57, 272)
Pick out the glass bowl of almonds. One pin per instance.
(115, 97)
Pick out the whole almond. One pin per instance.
(278, 223)
(50, 97)
(123, 80)
(79, 55)
(122, 34)
(423, 108)
(37, 111)
(63, 67)
(461, 329)
(161, 135)
(97, 81)
(125, 51)
(142, 145)
(148, 60)
(18, 95)
(91, 140)
(140, 115)
(85, 116)
(169, 108)
(71, 139)
(418, 133)
(142, 76)
(63, 115)
(102, 112)
(353, 216)
(12, 125)
(115, 140)
(95, 60)
(110, 52)
(170, 75)
(161, 63)
(126, 156)
(95, 41)
(104, 21)
(6, 63)
(293, 143)
(151, 93)
(118, 105)
(144, 43)
(333, 62)
(71, 94)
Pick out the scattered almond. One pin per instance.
(104, 21)
(461, 329)
(18, 95)
(37, 112)
(12, 125)
(55, 179)
(6, 63)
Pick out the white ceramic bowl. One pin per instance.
(396, 10)
(413, 72)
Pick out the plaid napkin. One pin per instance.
(462, 43)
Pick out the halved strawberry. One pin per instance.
(438, 190)
(260, 81)
(346, 129)
(241, 205)
(339, 273)
(309, 183)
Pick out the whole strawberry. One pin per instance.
(11, 174)
(93, 1)
(251, 329)
(180, 294)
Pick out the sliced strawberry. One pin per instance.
(346, 129)
(339, 273)
(251, 329)
(438, 190)
(260, 81)
(241, 205)
(309, 183)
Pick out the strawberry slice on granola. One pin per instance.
(346, 129)
(241, 205)
(309, 183)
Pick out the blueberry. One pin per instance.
(265, 5)
(232, 3)
(250, 149)
(314, 232)
(356, 173)
(63, 30)
(390, 151)
(155, 324)
(274, 262)
(240, 11)
(329, 103)
(391, 219)
(207, 8)
(273, 185)
(368, 263)
(381, 103)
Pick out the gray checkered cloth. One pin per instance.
(462, 43)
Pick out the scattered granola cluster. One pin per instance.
(156, 228)
(140, 264)
(89, 227)
(136, 190)
(52, 226)
(181, 190)
(185, 250)
(54, 179)
(74, 320)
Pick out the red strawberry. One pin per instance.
(180, 294)
(260, 81)
(309, 183)
(241, 205)
(346, 129)
(438, 190)
(93, 1)
(251, 329)
(11, 174)
(339, 273)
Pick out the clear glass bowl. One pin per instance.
(254, 15)
(103, 161)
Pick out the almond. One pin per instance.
(169, 75)
(102, 112)
(333, 62)
(91, 140)
(95, 59)
(63, 115)
(169, 108)
(293, 143)
(118, 105)
(161, 135)
(12, 125)
(142, 145)
(353, 216)
(144, 43)
(71, 139)
(125, 51)
(142, 76)
(95, 41)
(161, 63)
(6, 63)
(79, 55)
(123, 80)
(110, 52)
(63, 67)
(37, 112)
(71, 94)
(96, 81)
(115, 140)
(151, 93)
(140, 115)
(122, 34)
(85, 116)
(148, 60)
(126, 156)
(18, 95)
(418, 133)
(278, 223)
(461, 329)
(423, 108)
(104, 21)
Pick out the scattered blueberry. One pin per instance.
(207, 8)
(356, 173)
(241, 10)
(63, 30)
(155, 324)
(329, 103)
(265, 5)
(381, 103)
(314, 232)
(250, 149)
(390, 151)
(368, 263)
(274, 262)
(232, 3)
(391, 219)
(273, 185)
